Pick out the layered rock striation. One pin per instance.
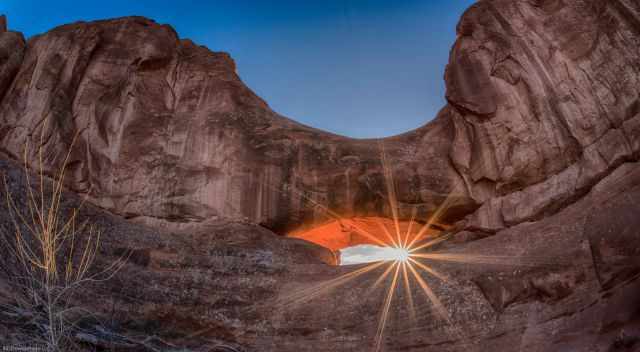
(537, 148)
(546, 102)
(168, 134)
(571, 284)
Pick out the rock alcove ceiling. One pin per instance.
(341, 234)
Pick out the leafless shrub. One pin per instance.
(53, 253)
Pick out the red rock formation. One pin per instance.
(542, 111)
(539, 143)
(169, 134)
(344, 233)
(11, 53)
(224, 283)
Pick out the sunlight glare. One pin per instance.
(370, 254)
(406, 257)
(400, 254)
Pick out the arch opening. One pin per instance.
(367, 253)
(361, 240)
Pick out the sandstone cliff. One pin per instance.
(546, 102)
(168, 134)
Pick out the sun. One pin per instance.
(399, 254)
(407, 257)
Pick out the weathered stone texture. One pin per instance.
(12, 46)
(539, 143)
(543, 89)
(542, 104)
(168, 134)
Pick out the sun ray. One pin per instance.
(409, 293)
(385, 230)
(437, 304)
(385, 313)
(492, 259)
(433, 218)
(410, 263)
(391, 190)
(332, 214)
(430, 243)
(429, 270)
(384, 275)
(330, 284)
(405, 243)
(309, 293)
(366, 233)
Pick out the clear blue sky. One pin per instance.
(361, 68)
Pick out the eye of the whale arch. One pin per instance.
(370, 253)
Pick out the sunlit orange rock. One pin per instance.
(340, 234)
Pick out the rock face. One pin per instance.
(211, 282)
(169, 135)
(546, 100)
(225, 283)
(12, 48)
(539, 147)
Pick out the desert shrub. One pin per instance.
(48, 257)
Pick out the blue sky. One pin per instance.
(361, 68)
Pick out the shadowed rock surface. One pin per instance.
(571, 284)
(539, 145)
(169, 135)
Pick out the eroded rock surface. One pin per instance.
(168, 134)
(543, 103)
(547, 99)
(12, 46)
(571, 284)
